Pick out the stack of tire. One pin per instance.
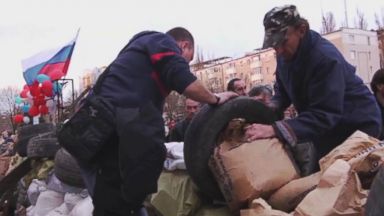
(67, 170)
(44, 145)
(26, 132)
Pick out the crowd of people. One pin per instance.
(7, 143)
(330, 100)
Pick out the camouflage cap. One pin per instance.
(276, 22)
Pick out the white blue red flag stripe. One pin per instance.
(47, 62)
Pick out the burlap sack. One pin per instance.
(177, 195)
(365, 154)
(338, 193)
(290, 195)
(354, 148)
(259, 207)
(247, 171)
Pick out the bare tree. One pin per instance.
(379, 23)
(328, 23)
(174, 106)
(9, 108)
(361, 22)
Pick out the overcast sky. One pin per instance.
(220, 27)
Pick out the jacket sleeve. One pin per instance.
(280, 100)
(325, 104)
(171, 68)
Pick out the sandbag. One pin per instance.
(356, 146)
(83, 208)
(338, 193)
(47, 201)
(290, 195)
(177, 195)
(247, 171)
(259, 207)
(34, 190)
(62, 210)
(364, 153)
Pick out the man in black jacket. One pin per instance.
(138, 80)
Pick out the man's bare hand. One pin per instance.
(259, 131)
(225, 96)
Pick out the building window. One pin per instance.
(256, 58)
(369, 40)
(369, 55)
(353, 54)
(351, 38)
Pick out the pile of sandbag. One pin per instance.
(247, 171)
(56, 198)
(260, 178)
(60, 192)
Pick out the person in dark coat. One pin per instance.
(377, 86)
(178, 132)
(136, 83)
(331, 100)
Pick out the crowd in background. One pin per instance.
(7, 143)
(175, 128)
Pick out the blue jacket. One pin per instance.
(136, 83)
(147, 69)
(332, 101)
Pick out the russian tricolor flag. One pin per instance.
(48, 62)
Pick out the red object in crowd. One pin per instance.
(18, 118)
(43, 109)
(47, 88)
(23, 93)
(35, 89)
(34, 111)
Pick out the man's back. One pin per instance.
(140, 72)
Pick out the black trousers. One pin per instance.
(130, 164)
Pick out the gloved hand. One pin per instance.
(306, 157)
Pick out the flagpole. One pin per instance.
(60, 99)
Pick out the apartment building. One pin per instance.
(360, 48)
(255, 68)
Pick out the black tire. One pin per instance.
(201, 137)
(67, 170)
(27, 132)
(43, 145)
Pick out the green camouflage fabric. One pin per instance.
(276, 22)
